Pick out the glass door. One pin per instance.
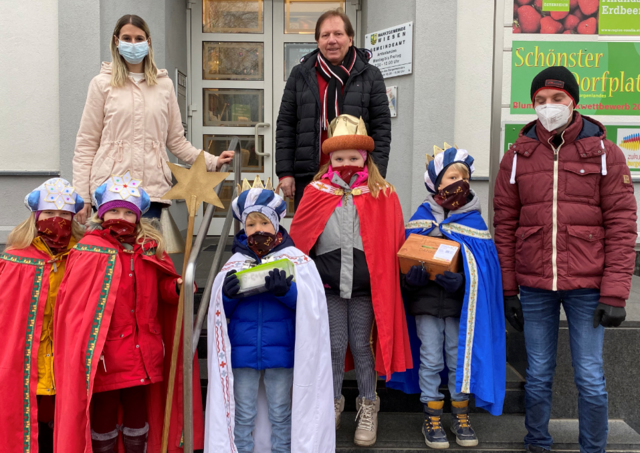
(242, 52)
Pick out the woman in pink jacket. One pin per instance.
(130, 118)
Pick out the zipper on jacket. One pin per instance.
(554, 224)
(260, 334)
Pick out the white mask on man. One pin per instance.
(553, 116)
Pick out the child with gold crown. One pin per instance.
(279, 335)
(350, 221)
(460, 313)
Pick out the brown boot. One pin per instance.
(338, 407)
(104, 443)
(367, 418)
(135, 440)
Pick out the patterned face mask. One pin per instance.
(454, 196)
(346, 172)
(55, 232)
(262, 243)
(122, 230)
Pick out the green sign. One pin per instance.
(619, 17)
(626, 137)
(555, 5)
(608, 74)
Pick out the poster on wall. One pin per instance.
(392, 50)
(627, 137)
(392, 97)
(608, 74)
(583, 17)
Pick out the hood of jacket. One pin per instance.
(240, 244)
(105, 68)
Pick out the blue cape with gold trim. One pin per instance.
(481, 367)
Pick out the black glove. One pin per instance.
(231, 285)
(417, 276)
(608, 315)
(513, 312)
(450, 281)
(277, 282)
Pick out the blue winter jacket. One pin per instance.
(262, 327)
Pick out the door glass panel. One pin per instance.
(301, 15)
(226, 192)
(233, 61)
(293, 52)
(232, 16)
(229, 107)
(251, 162)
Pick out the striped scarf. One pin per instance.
(336, 77)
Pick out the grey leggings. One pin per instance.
(350, 322)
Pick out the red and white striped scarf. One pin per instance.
(336, 77)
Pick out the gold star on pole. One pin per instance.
(195, 182)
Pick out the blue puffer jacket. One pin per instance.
(262, 327)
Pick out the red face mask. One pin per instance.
(346, 172)
(55, 232)
(454, 196)
(262, 243)
(122, 230)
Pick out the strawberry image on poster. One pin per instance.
(529, 16)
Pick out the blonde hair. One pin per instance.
(145, 230)
(119, 69)
(257, 215)
(23, 235)
(375, 182)
(462, 169)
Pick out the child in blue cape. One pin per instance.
(461, 313)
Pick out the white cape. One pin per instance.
(312, 418)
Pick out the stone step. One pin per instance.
(401, 432)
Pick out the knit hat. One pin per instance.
(55, 194)
(556, 78)
(443, 158)
(121, 192)
(347, 132)
(259, 198)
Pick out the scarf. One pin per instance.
(336, 77)
(55, 232)
(453, 196)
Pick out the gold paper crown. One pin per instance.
(437, 150)
(257, 184)
(346, 125)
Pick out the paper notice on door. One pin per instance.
(445, 253)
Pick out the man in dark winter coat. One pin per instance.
(565, 230)
(335, 79)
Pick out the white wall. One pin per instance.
(29, 120)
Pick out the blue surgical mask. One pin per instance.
(133, 53)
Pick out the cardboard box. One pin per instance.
(435, 254)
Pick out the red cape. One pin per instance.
(382, 232)
(84, 307)
(24, 283)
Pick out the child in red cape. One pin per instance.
(31, 270)
(114, 332)
(350, 222)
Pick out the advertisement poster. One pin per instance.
(626, 137)
(392, 50)
(559, 17)
(619, 17)
(608, 74)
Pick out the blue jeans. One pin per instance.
(436, 334)
(277, 382)
(541, 310)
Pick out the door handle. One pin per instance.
(257, 141)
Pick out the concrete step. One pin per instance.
(401, 432)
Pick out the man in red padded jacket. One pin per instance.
(565, 230)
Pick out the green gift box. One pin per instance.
(252, 280)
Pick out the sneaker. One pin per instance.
(434, 434)
(367, 419)
(536, 449)
(338, 407)
(461, 427)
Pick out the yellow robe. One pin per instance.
(46, 381)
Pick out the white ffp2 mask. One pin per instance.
(553, 116)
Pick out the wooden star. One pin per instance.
(195, 185)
